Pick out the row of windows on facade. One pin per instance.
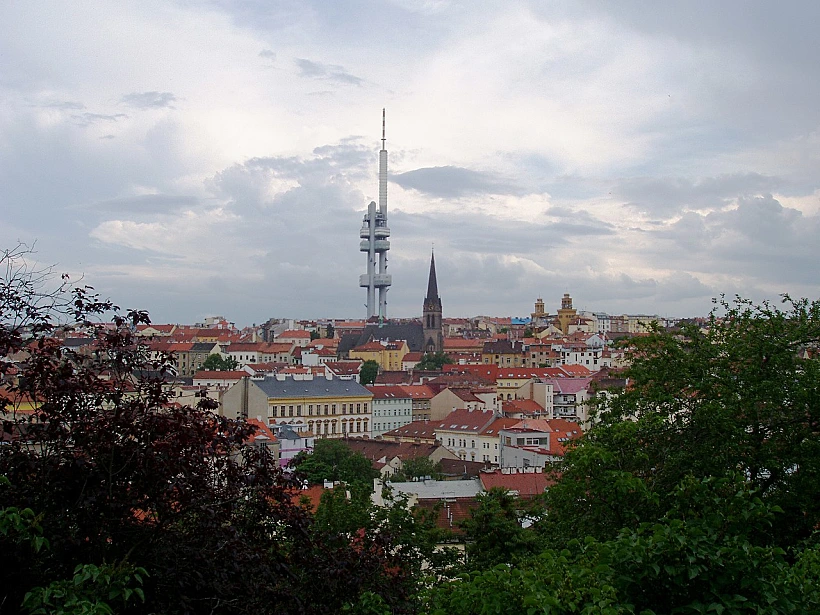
(288, 410)
(391, 411)
(451, 442)
(329, 428)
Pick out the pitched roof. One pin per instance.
(375, 450)
(467, 421)
(424, 430)
(525, 484)
(263, 432)
(418, 391)
(294, 334)
(220, 374)
(273, 387)
(387, 391)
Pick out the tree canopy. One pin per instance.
(433, 361)
(107, 478)
(217, 362)
(369, 371)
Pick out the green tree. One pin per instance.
(216, 362)
(493, 532)
(369, 371)
(121, 478)
(417, 467)
(433, 361)
(741, 394)
(333, 460)
(697, 558)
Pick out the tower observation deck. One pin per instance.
(374, 235)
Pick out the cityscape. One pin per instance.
(409, 307)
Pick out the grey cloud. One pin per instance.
(87, 119)
(67, 105)
(760, 239)
(149, 100)
(328, 72)
(667, 196)
(267, 53)
(454, 182)
(107, 137)
(143, 204)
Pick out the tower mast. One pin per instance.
(374, 233)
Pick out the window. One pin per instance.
(310, 409)
(290, 410)
(333, 408)
(326, 407)
(299, 410)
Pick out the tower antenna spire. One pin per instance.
(383, 129)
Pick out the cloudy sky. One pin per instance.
(196, 158)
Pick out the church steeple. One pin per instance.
(431, 319)
(432, 284)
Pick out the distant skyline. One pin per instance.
(217, 157)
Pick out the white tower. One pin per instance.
(374, 234)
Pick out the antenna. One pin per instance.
(383, 128)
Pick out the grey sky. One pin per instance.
(197, 158)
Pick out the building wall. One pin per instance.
(391, 413)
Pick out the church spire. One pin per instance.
(432, 284)
(431, 323)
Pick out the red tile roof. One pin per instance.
(525, 484)
(466, 421)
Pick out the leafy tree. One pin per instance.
(369, 371)
(315, 335)
(416, 468)
(332, 460)
(330, 333)
(433, 361)
(123, 479)
(528, 332)
(697, 558)
(493, 532)
(741, 394)
(216, 362)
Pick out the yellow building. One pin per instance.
(328, 407)
(502, 353)
(388, 355)
(566, 314)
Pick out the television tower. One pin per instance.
(374, 234)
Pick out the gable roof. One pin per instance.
(466, 421)
(525, 484)
(273, 387)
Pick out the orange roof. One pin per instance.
(263, 432)
(220, 374)
(296, 334)
(418, 391)
(526, 484)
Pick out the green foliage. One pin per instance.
(92, 591)
(332, 460)
(433, 361)
(416, 468)
(695, 559)
(216, 362)
(369, 371)
(735, 396)
(493, 532)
